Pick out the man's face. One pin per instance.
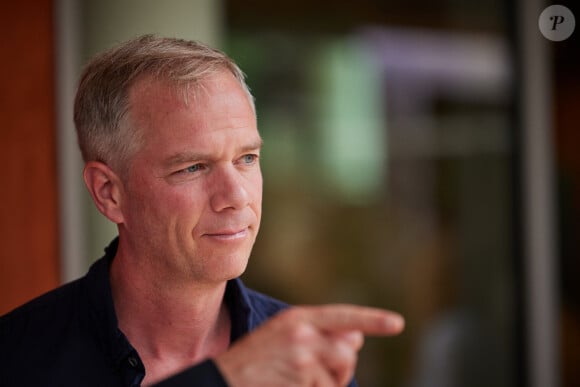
(193, 194)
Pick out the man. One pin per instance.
(167, 129)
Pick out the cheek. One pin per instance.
(256, 189)
(257, 198)
(157, 207)
(257, 182)
(144, 211)
(183, 207)
(184, 204)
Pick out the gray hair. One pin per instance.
(102, 102)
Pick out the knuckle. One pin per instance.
(301, 334)
(344, 355)
(302, 360)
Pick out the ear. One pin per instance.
(105, 188)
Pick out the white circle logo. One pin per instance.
(557, 23)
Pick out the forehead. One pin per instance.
(168, 114)
(149, 94)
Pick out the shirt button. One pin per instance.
(133, 362)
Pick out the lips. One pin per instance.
(228, 234)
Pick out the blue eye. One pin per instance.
(193, 168)
(249, 159)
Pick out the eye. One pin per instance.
(249, 159)
(192, 168)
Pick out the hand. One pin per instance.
(306, 346)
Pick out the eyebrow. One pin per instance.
(184, 157)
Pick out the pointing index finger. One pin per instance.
(344, 317)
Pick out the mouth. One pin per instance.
(228, 235)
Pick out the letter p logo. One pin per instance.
(558, 19)
(556, 23)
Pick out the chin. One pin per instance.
(230, 267)
(238, 269)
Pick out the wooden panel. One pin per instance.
(28, 198)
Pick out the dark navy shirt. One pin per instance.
(70, 336)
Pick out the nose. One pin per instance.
(228, 189)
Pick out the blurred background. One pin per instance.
(419, 156)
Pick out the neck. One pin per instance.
(171, 327)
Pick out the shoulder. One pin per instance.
(33, 335)
(59, 336)
(38, 323)
(55, 304)
(63, 301)
(57, 316)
